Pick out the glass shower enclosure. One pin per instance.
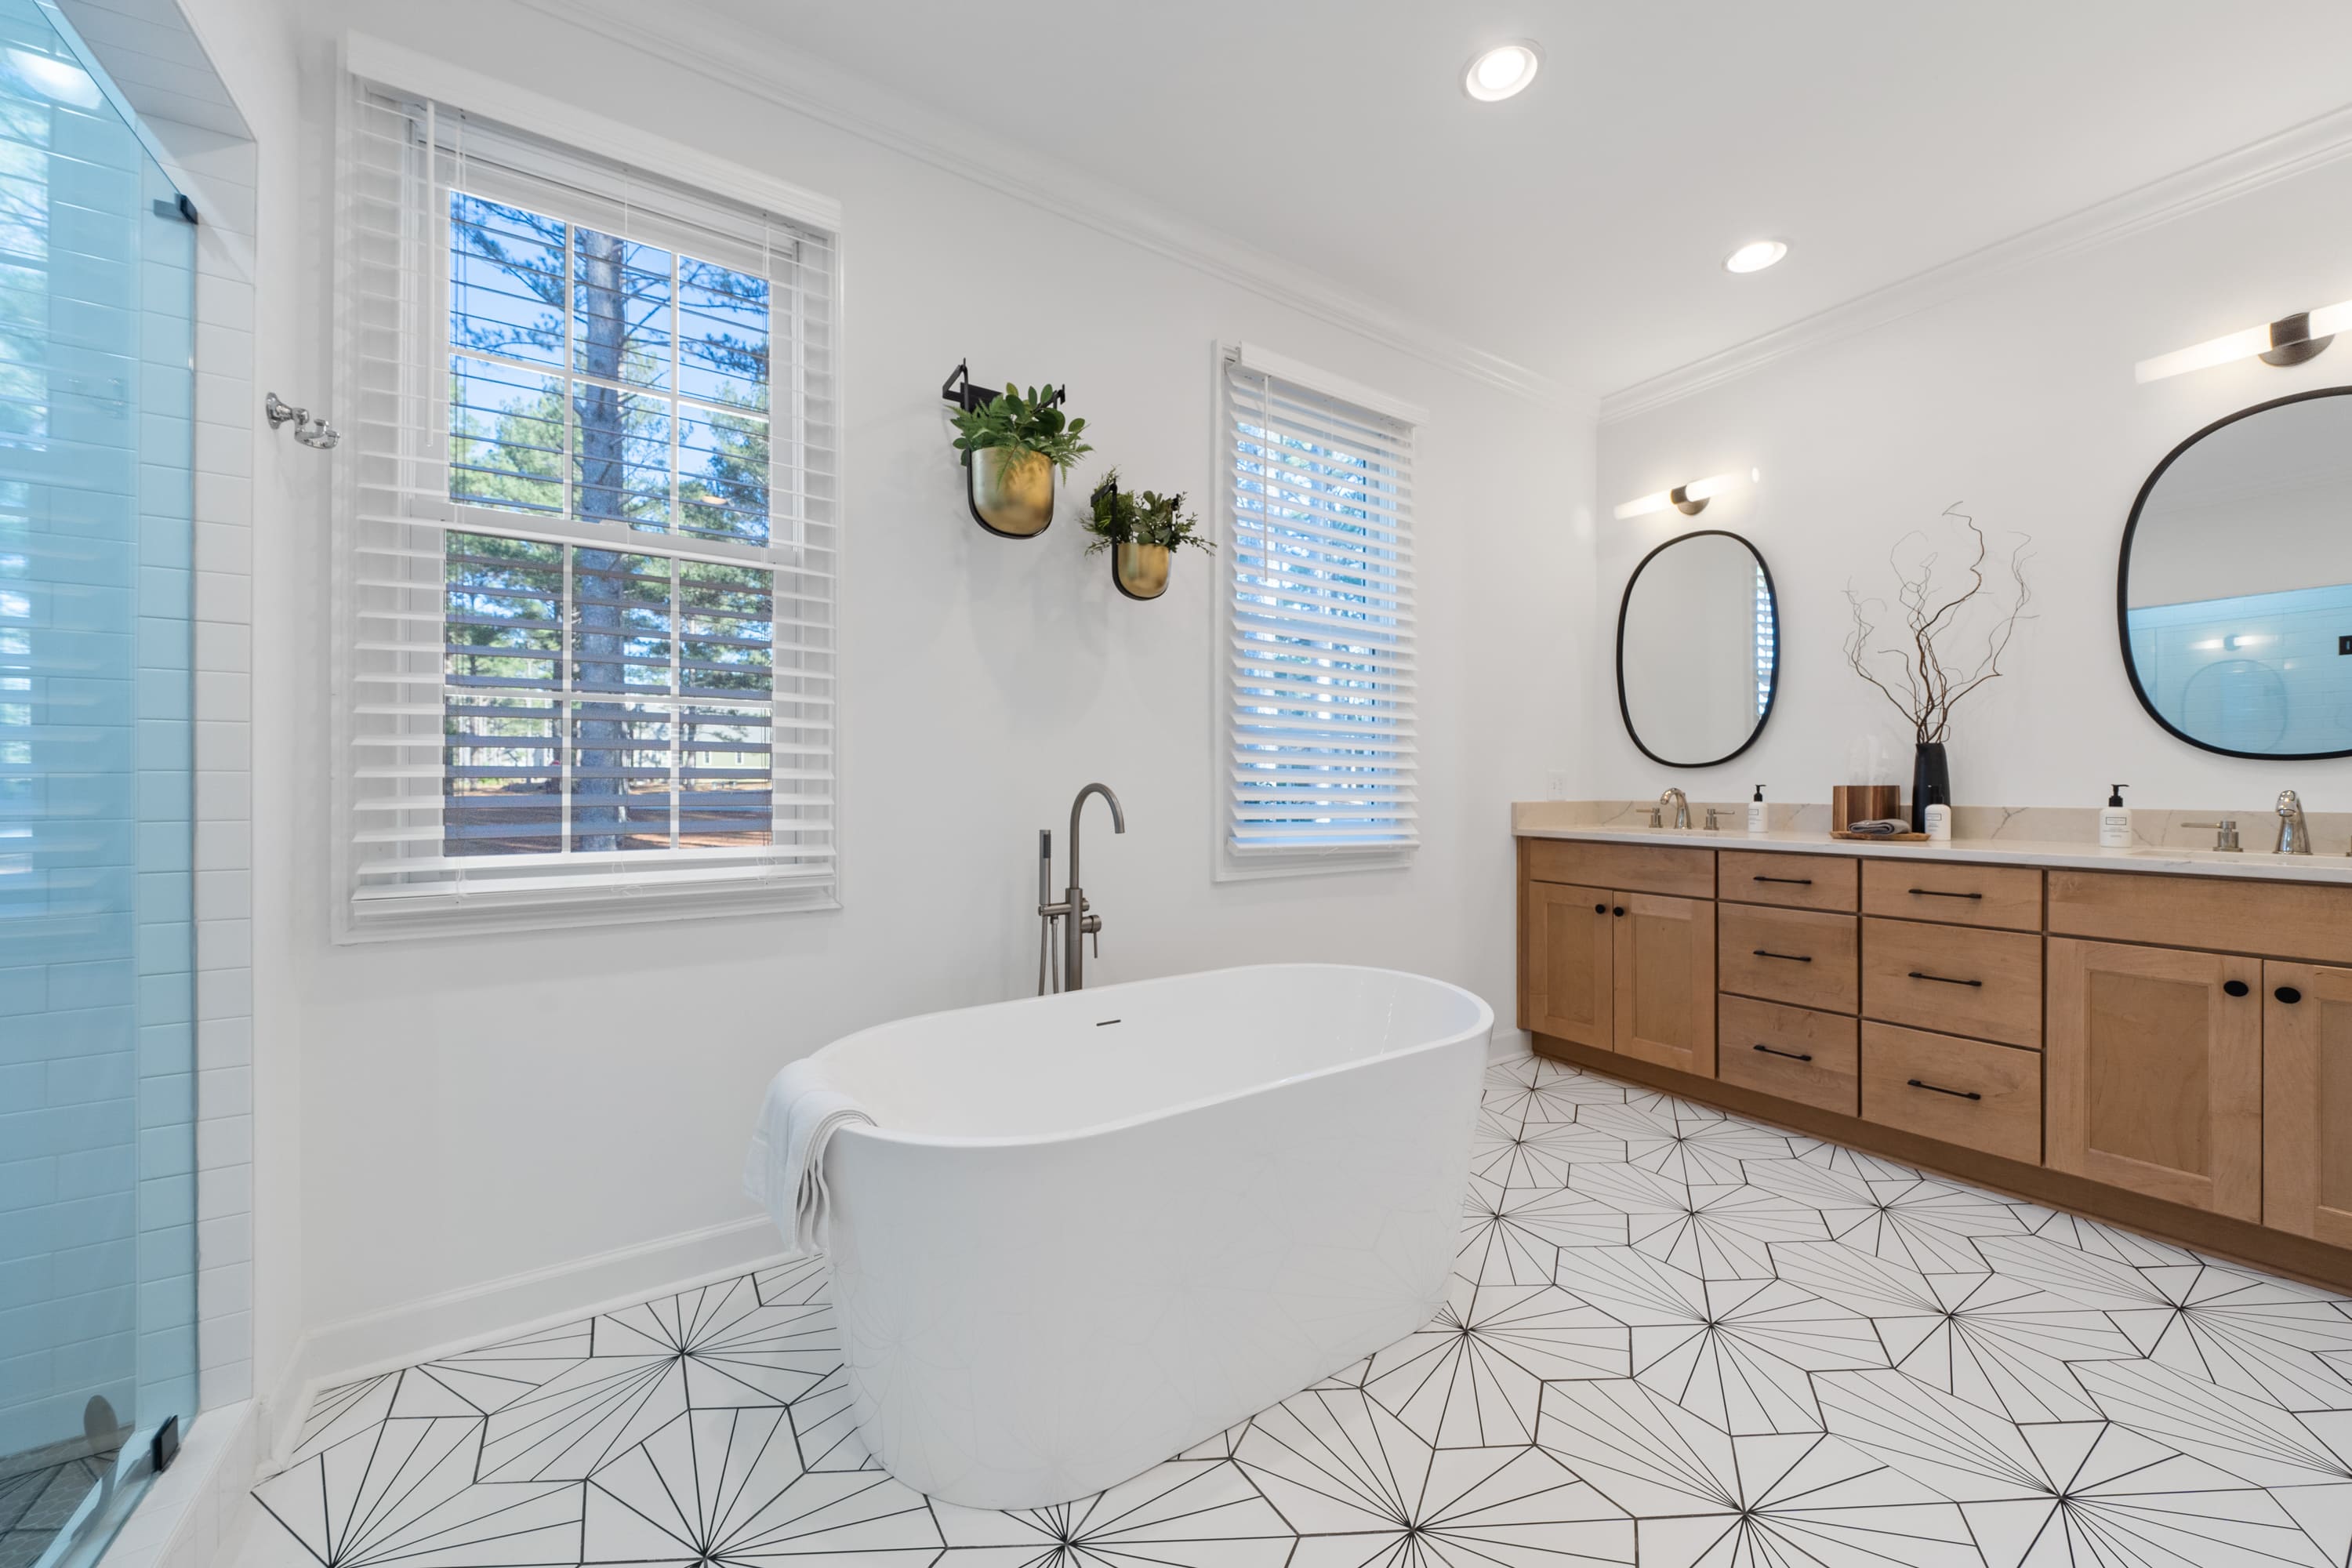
(97, 1253)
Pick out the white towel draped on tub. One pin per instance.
(785, 1168)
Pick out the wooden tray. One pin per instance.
(1879, 837)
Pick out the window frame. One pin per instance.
(371, 62)
(1228, 863)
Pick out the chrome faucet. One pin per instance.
(2295, 837)
(1069, 972)
(1680, 801)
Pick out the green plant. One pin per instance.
(1115, 516)
(1029, 423)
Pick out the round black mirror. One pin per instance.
(2233, 595)
(1698, 649)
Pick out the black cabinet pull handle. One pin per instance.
(2234, 987)
(1944, 978)
(1792, 881)
(1939, 1089)
(2288, 995)
(1792, 1055)
(1601, 909)
(1620, 909)
(1784, 957)
(1940, 893)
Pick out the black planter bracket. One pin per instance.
(968, 394)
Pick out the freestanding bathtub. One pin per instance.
(1094, 1229)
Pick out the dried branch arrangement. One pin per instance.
(1925, 680)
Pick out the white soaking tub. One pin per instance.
(1094, 1229)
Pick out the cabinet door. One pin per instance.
(2308, 1101)
(2154, 1072)
(1665, 981)
(1569, 978)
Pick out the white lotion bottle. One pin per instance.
(2114, 820)
(1937, 817)
(1756, 811)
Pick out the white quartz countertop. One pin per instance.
(2256, 864)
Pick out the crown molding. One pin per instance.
(2294, 150)
(852, 104)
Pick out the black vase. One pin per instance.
(1931, 779)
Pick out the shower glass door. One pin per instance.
(96, 996)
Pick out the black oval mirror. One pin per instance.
(1698, 640)
(2234, 591)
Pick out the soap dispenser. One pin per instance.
(2114, 820)
(1756, 811)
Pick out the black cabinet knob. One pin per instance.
(2288, 995)
(2234, 987)
(1604, 909)
(1620, 909)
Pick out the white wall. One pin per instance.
(2017, 399)
(473, 1110)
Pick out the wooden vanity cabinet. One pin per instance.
(2073, 1034)
(1627, 965)
(2155, 1067)
(2308, 1101)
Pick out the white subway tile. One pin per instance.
(224, 895)
(224, 944)
(225, 1043)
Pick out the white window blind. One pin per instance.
(1318, 632)
(585, 543)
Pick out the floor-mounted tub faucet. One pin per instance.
(1069, 972)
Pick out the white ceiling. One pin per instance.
(1579, 229)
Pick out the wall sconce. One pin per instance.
(2290, 339)
(1690, 500)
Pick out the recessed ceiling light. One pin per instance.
(1755, 256)
(1502, 71)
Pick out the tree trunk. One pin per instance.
(600, 492)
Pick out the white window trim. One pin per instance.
(1226, 865)
(391, 66)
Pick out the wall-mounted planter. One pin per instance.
(1010, 487)
(1012, 493)
(1140, 570)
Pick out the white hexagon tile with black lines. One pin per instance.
(1674, 1338)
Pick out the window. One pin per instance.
(1316, 640)
(587, 553)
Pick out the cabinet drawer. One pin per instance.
(2277, 919)
(1983, 983)
(1966, 1092)
(1793, 881)
(2009, 896)
(1813, 1058)
(1798, 957)
(1636, 868)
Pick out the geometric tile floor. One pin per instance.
(1674, 1337)
(35, 1504)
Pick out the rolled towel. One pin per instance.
(784, 1170)
(1877, 827)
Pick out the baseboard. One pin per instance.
(1505, 1045)
(181, 1522)
(433, 1326)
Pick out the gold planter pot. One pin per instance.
(1140, 570)
(1011, 491)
